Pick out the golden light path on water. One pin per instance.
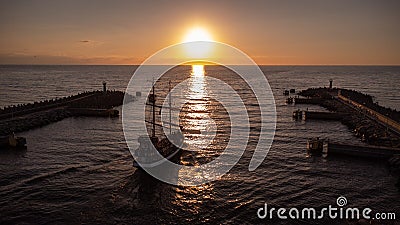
(198, 70)
(201, 131)
(197, 118)
(197, 87)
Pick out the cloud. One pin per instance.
(90, 43)
(17, 58)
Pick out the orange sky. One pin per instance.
(272, 32)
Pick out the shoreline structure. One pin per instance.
(373, 123)
(24, 117)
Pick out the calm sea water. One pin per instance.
(79, 170)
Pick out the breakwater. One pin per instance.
(23, 117)
(370, 151)
(363, 120)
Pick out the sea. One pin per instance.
(79, 170)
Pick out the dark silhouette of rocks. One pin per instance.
(23, 117)
(362, 126)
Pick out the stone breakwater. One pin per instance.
(23, 117)
(358, 120)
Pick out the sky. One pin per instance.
(281, 32)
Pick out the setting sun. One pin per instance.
(198, 44)
(197, 34)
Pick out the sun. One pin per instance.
(197, 34)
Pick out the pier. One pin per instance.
(389, 123)
(313, 115)
(373, 152)
(323, 115)
(373, 123)
(24, 117)
(376, 125)
(310, 101)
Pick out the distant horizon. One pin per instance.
(361, 65)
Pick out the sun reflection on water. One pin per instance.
(197, 89)
(200, 127)
(197, 94)
(198, 70)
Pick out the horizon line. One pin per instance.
(20, 64)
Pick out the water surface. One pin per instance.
(79, 170)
